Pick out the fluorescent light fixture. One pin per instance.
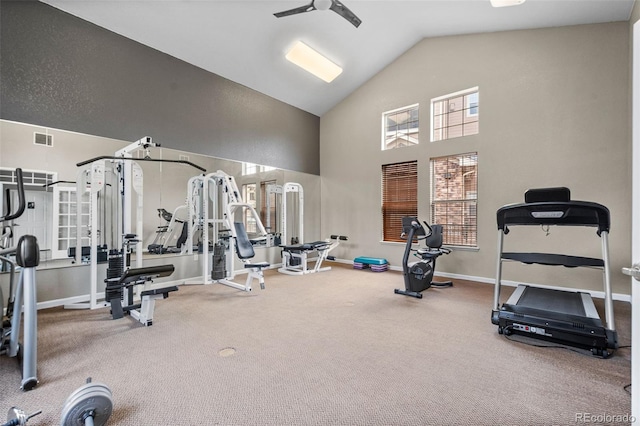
(313, 62)
(503, 3)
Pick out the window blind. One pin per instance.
(399, 197)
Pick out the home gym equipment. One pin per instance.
(373, 263)
(418, 276)
(295, 257)
(214, 206)
(289, 212)
(22, 293)
(114, 185)
(89, 405)
(171, 236)
(564, 317)
(120, 283)
(17, 417)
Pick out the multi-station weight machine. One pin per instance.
(217, 210)
(289, 198)
(114, 185)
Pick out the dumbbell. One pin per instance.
(17, 417)
(91, 404)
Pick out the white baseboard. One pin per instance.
(597, 294)
(507, 283)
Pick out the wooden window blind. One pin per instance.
(399, 197)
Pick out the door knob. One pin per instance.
(634, 271)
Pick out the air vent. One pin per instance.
(184, 158)
(42, 139)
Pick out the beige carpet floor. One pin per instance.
(333, 348)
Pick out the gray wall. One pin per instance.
(554, 111)
(62, 72)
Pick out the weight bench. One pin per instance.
(294, 257)
(143, 311)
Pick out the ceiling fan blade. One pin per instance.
(344, 11)
(307, 8)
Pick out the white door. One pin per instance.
(635, 225)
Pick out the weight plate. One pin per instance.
(92, 397)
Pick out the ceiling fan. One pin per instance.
(335, 5)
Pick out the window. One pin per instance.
(252, 169)
(249, 197)
(249, 169)
(399, 197)
(268, 213)
(454, 197)
(400, 127)
(455, 115)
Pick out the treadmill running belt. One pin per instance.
(552, 300)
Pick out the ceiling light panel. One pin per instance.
(503, 3)
(313, 62)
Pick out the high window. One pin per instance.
(455, 115)
(454, 198)
(399, 197)
(252, 169)
(400, 127)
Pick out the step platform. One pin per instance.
(373, 263)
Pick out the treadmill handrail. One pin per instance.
(570, 213)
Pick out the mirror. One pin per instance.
(49, 159)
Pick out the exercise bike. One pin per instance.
(418, 276)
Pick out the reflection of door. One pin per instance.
(35, 219)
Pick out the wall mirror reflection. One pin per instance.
(141, 188)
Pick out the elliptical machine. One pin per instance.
(418, 276)
(26, 255)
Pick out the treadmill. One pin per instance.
(563, 317)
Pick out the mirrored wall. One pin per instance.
(54, 214)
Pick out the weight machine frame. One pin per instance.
(215, 199)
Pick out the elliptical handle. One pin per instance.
(22, 204)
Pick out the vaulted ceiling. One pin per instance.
(243, 41)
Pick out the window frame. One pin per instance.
(250, 196)
(386, 114)
(468, 205)
(467, 113)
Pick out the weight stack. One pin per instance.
(219, 267)
(115, 270)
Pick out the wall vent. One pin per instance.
(42, 139)
(184, 158)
